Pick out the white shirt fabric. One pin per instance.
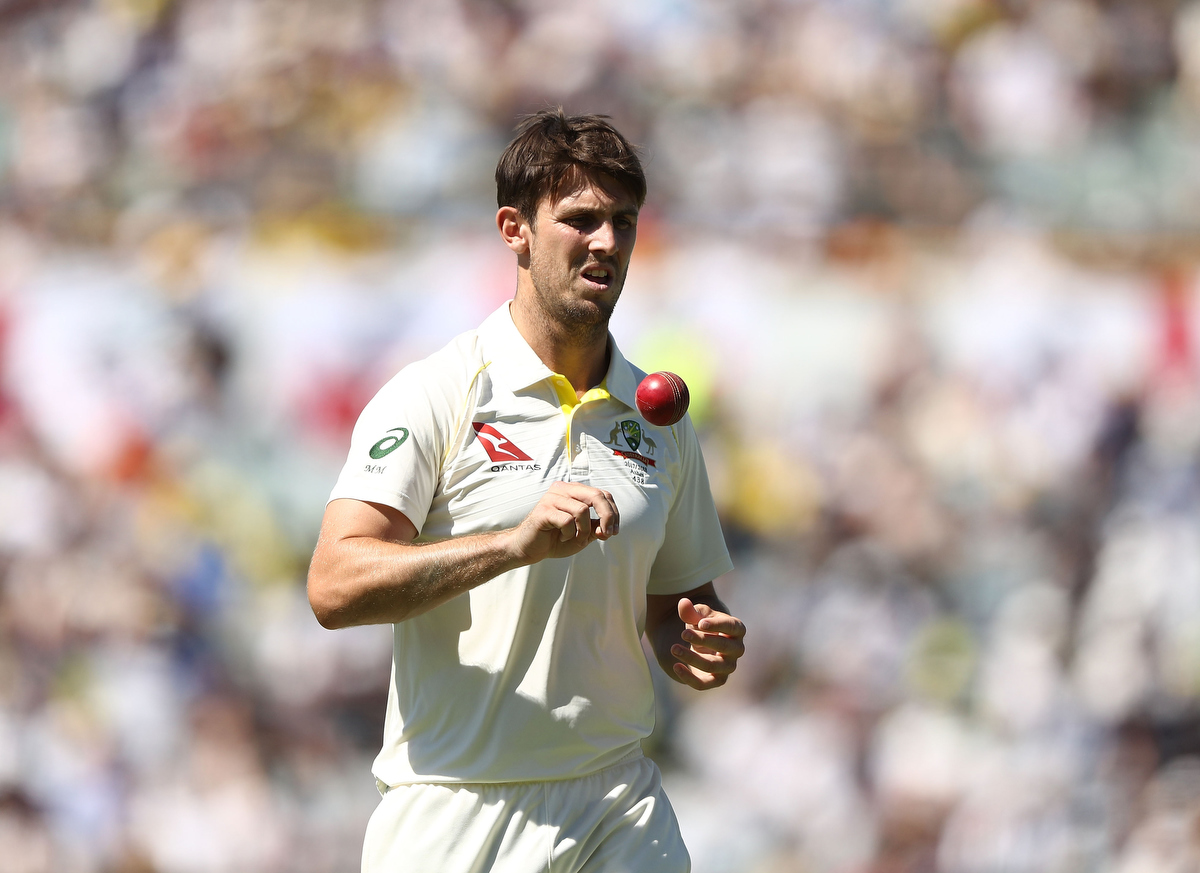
(537, 674)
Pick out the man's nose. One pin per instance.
(604, 239)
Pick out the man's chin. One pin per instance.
(583, 309)
(585, 315)
(593, 310)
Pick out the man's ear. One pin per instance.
(514, 229)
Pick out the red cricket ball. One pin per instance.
(662, 398)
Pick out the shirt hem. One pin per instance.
(705, 574)
(398, 502)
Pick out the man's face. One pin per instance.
(579, 252)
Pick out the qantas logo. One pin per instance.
(499, 447)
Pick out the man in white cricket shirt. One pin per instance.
(508, 510)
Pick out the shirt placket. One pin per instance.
(580, 465)
(578, 462)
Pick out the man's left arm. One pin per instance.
(693, 636)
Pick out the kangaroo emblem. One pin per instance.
(633, 436)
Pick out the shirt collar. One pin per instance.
(621, 379)
(514, 366)
(511, 363)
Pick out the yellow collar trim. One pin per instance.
(568, 399)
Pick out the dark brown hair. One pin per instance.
(552, 148)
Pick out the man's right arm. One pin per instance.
(366, 569)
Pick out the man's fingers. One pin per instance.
(594, 499)
(608, 515)
(703, 617)
(583, 520)
(713, 664)
(569, 516)
(720, 623)
(698, 679)
(712, 642)
(564, 522)
(602, 503)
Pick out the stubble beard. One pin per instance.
(581, 321)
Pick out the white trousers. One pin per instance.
(615, 821)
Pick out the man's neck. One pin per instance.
(581, 356)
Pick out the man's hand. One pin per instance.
(694, 638)
(712, 644)
(561, 524)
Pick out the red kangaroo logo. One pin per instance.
(497, 445)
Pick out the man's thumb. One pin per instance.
(688, 612)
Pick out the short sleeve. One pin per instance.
(398, 444)
(693, 551)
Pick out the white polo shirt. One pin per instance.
(538, 673)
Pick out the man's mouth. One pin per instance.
(597, 275)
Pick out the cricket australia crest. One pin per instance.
(632, 431)
(627, 438)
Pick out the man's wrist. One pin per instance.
(509, 542)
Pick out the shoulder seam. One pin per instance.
(462, 414)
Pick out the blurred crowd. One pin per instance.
(928, 266)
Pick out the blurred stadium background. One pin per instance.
(929, 267)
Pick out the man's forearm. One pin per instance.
(366, 569)
(363, 580)
(662, 636)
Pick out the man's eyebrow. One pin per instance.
(579, 210)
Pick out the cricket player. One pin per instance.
(505, 507)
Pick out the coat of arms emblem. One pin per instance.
(632, 431)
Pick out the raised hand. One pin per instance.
(561, 524)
